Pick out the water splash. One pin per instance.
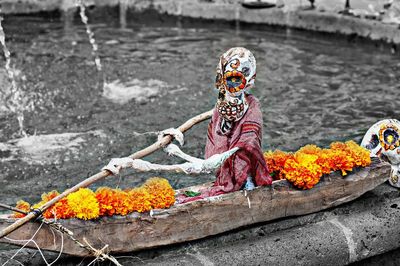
(14, 97)
(95, 48)
(141, 91)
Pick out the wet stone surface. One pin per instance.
(313, 89)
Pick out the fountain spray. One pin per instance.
(14, 99)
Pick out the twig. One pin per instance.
(62, 230)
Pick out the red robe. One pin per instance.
(247, 161)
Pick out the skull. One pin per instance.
(236, 72)
(383, 141)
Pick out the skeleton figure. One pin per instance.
(233, 138)
(237, 123)
(383, 140)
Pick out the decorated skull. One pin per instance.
(383, 140)
(236, 72)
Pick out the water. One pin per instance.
(13, 97)
(159, 72)
(92, 40)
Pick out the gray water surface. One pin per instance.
(159, 71)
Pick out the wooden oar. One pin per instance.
(103, 174)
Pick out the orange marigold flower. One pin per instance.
(50, 195)
(85, 204)
(276, 161)
(305, 167)
(124, 202)
(107, 200)
(59, 210)
(302, 171)
(360, 155)
(324, 161)
(62, 210)
(310, 149)
(161, 192)
(23, 206)
(49, 213)
(140, 200)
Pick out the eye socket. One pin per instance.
(390, 136)
(246, 71)
(373, 143)
(233, 81)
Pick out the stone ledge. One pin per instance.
(300, 19)
(231, 10)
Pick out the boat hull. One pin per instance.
(199, 219)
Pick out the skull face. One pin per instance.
(236, 72)
(383, 140)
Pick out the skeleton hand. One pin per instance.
(172, 149)
(176, 133)
(116, 164)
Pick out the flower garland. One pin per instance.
(305, 167)
(155, 193)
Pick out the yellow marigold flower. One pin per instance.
(23, 206)
(161, 192)
(84, 204)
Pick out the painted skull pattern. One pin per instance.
(232, 108)
(236, 72)
(383, 140)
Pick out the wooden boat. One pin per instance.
(198, 219)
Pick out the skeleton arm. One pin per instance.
(198, 166)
